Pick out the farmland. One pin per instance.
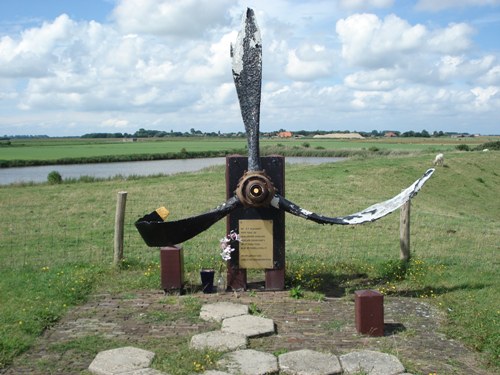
(73, 150)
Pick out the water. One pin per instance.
(139, 168)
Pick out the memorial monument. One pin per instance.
(255, 186)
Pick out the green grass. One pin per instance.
(57, 242)
(57, 149)
(54, 149)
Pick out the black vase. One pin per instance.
(207, 280)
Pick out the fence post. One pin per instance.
(119, 222)
(404, 232)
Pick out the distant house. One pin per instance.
(285, 135)
(390, 134)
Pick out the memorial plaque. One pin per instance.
(256, 246)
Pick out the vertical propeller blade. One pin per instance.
(247, 74)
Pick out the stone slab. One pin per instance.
(250, 362)
(121, 360)
(144, 371)
(249, 325)
(371, 363)
(219, 341)
(309, 362)
(222, 310)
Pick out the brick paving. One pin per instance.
(412, 330)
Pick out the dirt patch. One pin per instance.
(412, 330)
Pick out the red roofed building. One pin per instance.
(285, 135)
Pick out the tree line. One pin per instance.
(144, 133)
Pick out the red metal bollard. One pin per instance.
(236, 278)
(172, 268)
(275, 279)
(369, 311)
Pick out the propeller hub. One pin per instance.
(255, 189)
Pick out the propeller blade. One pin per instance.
(246, 55)
(165, 233)
(369, 214)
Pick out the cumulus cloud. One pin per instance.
(435, 6)
(91, 66)
(369, 41)
(460, 68)
(484, 97)
(115, 123)
(212, 62)
(491, 77)
(365, 4)
(374, 80)
(453, 39)
(166, 63)
(308, 62)
(186, 19)
(35, 50)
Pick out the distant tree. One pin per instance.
(410, 133)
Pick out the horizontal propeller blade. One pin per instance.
(166, 233)
(369, 214)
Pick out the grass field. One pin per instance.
(77, 148)
(56, 242)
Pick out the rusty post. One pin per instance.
(119, 223)
(369, 311)
(172, 269)
(404, 232)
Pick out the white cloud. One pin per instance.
(370, 41)
(374, 80)
(36, 50)
(308, 63)
(437, 5)
(150, 65)
(491, 77)
(186, 19)
(156, 72)
(485, 98)
(213, 62)
(115, 123)
(365, 4)
(460, 68)
(453, 39)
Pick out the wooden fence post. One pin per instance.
(404, 232)
(119, 222)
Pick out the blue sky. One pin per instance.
(72, 67)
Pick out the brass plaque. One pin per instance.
(256, 246)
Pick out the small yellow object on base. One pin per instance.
(162, 212)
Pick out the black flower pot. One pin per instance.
(207, 280)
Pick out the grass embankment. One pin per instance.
(56, 243)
